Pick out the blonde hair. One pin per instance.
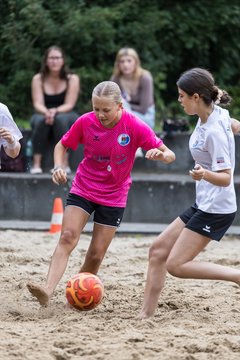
(108, 89)
(126, 51)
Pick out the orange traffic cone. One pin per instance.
(57, 216)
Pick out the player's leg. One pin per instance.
(106, 221)
(193, 239)
(101, 239)
(156, 274)
(181, 261)
(74, 220)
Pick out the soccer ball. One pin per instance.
(84, 291)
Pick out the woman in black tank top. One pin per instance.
(55, 93)
(54, 101)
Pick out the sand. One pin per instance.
(195, 319)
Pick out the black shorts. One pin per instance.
(211, 225)
(105, 215)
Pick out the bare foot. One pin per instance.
(144, 316)
(146, 312)
(39, 292)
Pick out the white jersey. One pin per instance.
(212, 146)
(7, 122)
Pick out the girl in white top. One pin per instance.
(213, 150)
(9, 133)
(212, 145)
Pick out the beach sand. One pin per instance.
(195, 319)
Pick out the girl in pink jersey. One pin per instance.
(213, 150)
(110, 136)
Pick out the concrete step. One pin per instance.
(125, 228)
(153, 198)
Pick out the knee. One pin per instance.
(60, 117)
(157, 254)
(173, 268)
(67, 118)
(68, 239)
(61, 123)
(37, 121)
(61, 120)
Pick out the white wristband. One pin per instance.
(57, 168)
(13, 145)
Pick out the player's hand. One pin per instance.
(197, 173)
(59, 176)
(154, 154)
(6, 135)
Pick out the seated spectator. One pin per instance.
(136, 85)
(9, 133)
(55, 92)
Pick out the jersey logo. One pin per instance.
(198, 144)
(207, 228)
(123, 139)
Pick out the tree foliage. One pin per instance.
(170, 37)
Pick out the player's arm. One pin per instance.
(235, 124)
(59, 175)
(13, 149)
(163, 153)
(218, 178)
(13, 146)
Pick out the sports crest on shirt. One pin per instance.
(220, 160)
(123, 139)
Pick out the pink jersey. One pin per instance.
(103, 176)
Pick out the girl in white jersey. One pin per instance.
(9, 133)
(212, 147)
(110, 136)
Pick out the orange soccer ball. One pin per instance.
(84, 291)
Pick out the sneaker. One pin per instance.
(139, 153)
(35, 171)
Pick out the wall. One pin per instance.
(158, 194)
(153, 198)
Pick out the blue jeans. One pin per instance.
(148, 117)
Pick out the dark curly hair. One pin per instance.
(200, 81)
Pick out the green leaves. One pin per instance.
(170, 37)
